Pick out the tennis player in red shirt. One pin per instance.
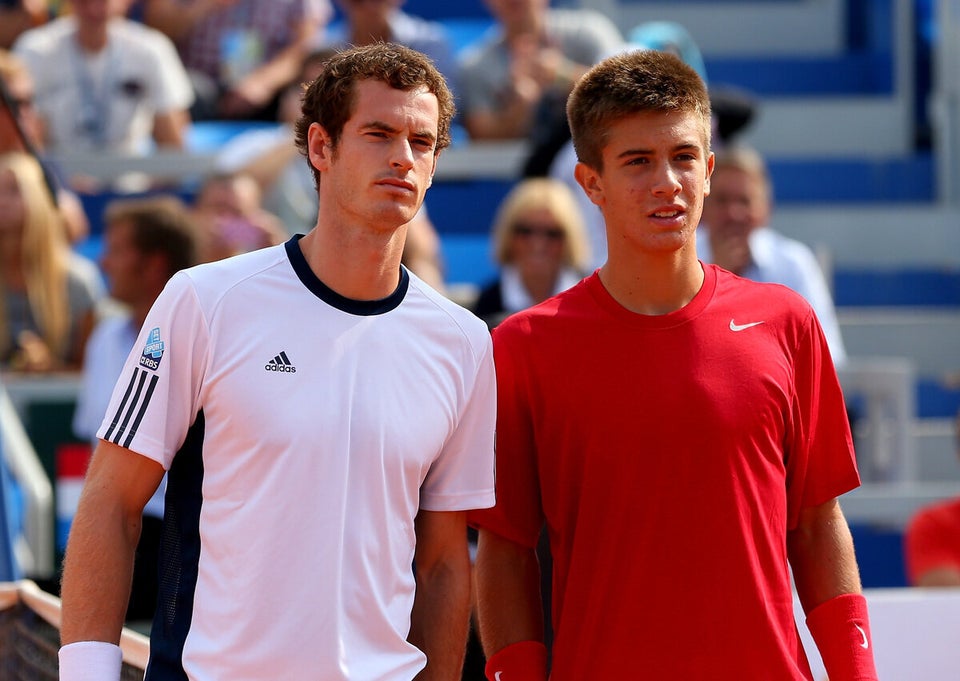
(679, 431)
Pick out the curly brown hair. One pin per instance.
(329, 99)
(633, 82)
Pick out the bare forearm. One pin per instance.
(261, 84)
(97, 573)
(512, 122)
(508, 593)
(823, 560)
(440, 619)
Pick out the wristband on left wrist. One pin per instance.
(841, 629)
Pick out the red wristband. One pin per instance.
(523, 661)
(841, 629)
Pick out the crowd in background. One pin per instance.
(131, 76)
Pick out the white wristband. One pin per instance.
(90, 661)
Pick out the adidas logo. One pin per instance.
(281, 363)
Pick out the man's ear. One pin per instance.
(319, 147)
(711, 159)
(589, 179)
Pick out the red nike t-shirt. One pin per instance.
(668, 455)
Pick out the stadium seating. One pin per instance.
(841, 87)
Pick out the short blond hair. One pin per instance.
(543, 193)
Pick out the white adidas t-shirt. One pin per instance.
(302, 432)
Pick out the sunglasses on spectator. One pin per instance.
(526, 231)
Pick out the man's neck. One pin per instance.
(92, 38)
(357, 265)
(658, 285)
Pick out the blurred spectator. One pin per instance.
(16, 16)
(372, 21)
(516, 79)
(146, 241)
(231, 219)
(932, 540)
(421, 250)
(540, 243)
(48, 293)
(735, 234)
(106, 83)
(21, 130)
(240, 53)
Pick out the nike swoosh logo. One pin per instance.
(865, 643)
(740, 327)
(496, 676)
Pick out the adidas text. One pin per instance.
(280, 367)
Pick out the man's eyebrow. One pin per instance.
(377, 125)
(683, 146)
(386, 127)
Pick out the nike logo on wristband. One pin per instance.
(866, 644)
(496, 676)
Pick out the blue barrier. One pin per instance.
(9, 525)
(879, 554)
(868, 287)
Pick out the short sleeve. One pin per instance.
(173, 90)
(820, 459)
(462, 477)
(157, 397)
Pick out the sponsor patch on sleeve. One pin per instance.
(152, 351)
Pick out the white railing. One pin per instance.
(34, 550)
(885, 443)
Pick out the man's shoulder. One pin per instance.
(111, 326)
(566, 310)
(472, 327)
(45, 39)
(220, 277)
(133, 35)
(743, 291)
(780, 242)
